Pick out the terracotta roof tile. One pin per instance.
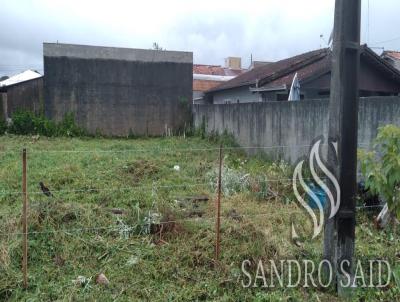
(216, 70)
(394, 54)
(305, 65)
(202, 85)
(263, 72)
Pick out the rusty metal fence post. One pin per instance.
(24, 220)
(218, 208)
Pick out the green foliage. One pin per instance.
(23, 123)
(68, 127)
(183, 101)
(225, 139)
(381, 168)
(27, 123)
(201, 131)
(3, 126)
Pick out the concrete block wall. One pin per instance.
(293, 126)
(3, 106)
(118, 91)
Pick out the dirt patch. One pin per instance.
(141, 169)
(193, 206)
(59, 261)
(168, 227)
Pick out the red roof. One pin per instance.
(204, 85)
(393, 54)
(272, 70)
(306, 65)
(318, 66)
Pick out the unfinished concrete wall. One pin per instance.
(3, 106)
(25, 96)
(291, 125)
(118, 91)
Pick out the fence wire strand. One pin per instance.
(167, 150)
(117, 228)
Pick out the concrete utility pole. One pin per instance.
(343, 126)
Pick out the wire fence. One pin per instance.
(142, 188)
(154, 187)
(166, 150)
(117, 228)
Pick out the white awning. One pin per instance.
(210, 77)
(21, 77)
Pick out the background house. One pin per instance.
(272, 82)
(21, 91)
(393, 57)
(206, 77)
(118, 91)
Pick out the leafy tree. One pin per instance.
(381, 168)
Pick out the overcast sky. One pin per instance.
(213, 30)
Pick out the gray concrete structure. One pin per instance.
(291, 125)
(118, 91)
(3, 106)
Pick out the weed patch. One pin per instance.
(141, 169)
(28, 123)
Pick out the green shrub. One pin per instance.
(3, 126)
(23, 123)
(68, 127)
(381, 168)
(226, 139)
(27, 123)
(44, 126)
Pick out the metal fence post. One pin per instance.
(24, 220)
(218, 208)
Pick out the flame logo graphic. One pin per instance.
(315, 158)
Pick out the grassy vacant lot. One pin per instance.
(159, 245)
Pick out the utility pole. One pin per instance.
(343, 126)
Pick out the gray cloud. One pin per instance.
(269, 30)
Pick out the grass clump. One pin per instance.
(140, 169)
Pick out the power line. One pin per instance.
(387, 41)
(368, 25)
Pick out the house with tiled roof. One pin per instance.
(206, 77)
(393, 57)
(272, 82)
